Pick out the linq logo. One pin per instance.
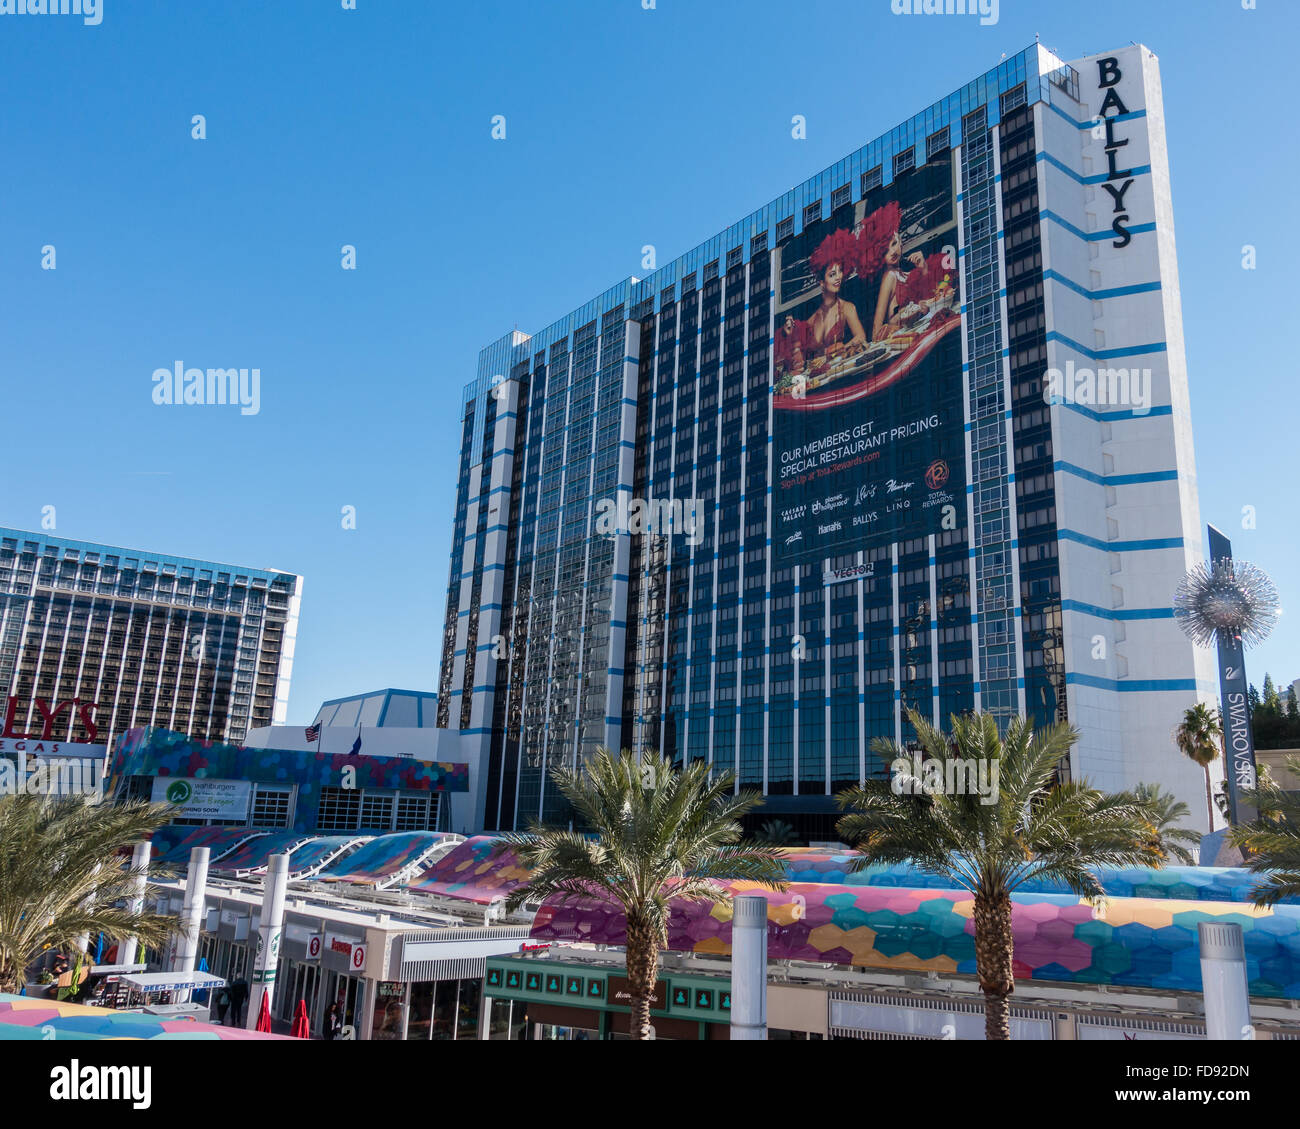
(49, 716)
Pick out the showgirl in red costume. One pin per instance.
(832, 262)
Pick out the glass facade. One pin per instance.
(696, 640)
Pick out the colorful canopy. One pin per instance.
(253, 856)
(474, 871)
(315, 854)
(171, 849)
(388, 859)
(22, 1017)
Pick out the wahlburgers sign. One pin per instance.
(203, 799)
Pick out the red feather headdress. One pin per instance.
(874, 238)
(838, 247)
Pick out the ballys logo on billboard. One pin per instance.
(49, 715)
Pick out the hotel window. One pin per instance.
(871, 179)
(735, 257)
(785, 229)
(272, 806)
(841, 196)
(812, 213)
(936, 143)
(904, 161)
(758, 244)
(1013, 98)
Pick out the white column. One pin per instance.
(82, 942)
(140, 856)
(749, 967)
(1223, 974)
(196, 888)
(270, 925)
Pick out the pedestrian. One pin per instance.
(238, 1001)
(223, 1005)
(333, 1021)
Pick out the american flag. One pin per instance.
(313, 733)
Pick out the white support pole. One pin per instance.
(269, 929)
(196, 888)
(140, 856)
(82, 942)
(749, 967)
(1223, 976)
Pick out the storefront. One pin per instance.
(531, 998)
(392, 977)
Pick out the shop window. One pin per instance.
(412, 813)
(468, 1009)
(376, 811)
(272, 806)
(339, 809)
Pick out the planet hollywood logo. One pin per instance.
(834, 502)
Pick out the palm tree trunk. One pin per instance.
(993, 948)
(1209, 798)
(642, 972)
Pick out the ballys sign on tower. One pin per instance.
(50, 716)
(1118, 180)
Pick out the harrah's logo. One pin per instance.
(49, 717)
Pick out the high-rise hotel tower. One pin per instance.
(96, 639)
(915, 435)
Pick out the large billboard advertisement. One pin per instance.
(867, 411)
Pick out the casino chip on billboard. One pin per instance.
(867, 411)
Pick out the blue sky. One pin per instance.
(372, 127)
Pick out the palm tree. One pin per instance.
(776, 833)
(1024, 826)
(1263, 781)
(1272, 843)
(1198, 737)
(1167, 811)
(59, 877)
(657, 834)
